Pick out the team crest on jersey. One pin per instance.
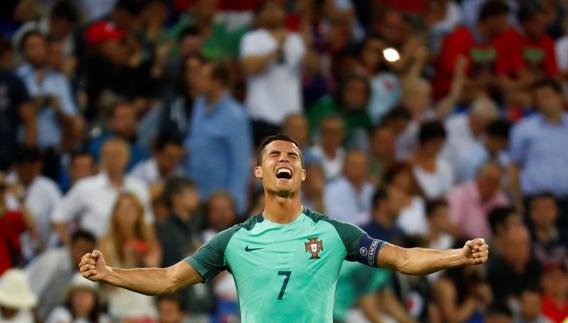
(314, 247)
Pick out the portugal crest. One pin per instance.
(314, 247)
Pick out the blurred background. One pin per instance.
(131, 126)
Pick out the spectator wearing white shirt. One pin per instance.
(433, 173)
(329, 150)
(76, 166)
(91, 199)
(50, 272)
(348, 198)
(465, 129)
(41, 197)
(272, 58)
(165, 162)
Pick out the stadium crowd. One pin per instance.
(131, 126)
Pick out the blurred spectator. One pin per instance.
(165, 162)
(514, 268)
(83, 301)
(385, 210)
(561, 49)
(499, 313)
(90, 201)
(465, 129)
(359, 285)
(412, 217)
(462, 294)
(442, 18)
(63, 18)
(271, 59)
(539, 150)
(554, 293)
(219, 140)
(178, 232)
(13, 224)
(41, 194)
(492, 145)
(15, 108)
(170, 309)
(433, 173)
(177, 106)
(129, 243)
(55, 108)
(381, 153)
(530, 307)
(189, 42)
(501, 219)
(550, 243)
(120, 123)
(480, 45)
(16, 298)
(296, 126)
(471, 202)
(348, 197)
(329, 150)
(437, 213)
(50, 272)
(313, 187)
(531, 53)
(349, 103)
(81, 164)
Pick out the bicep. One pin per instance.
(391, 256)
(183, 274)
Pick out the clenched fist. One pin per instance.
(93, 266)
(476, 251)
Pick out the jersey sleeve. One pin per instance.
(359, 245)
(209, 260)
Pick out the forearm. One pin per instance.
(421, 261)
(148, 281)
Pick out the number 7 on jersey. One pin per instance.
(285, 283)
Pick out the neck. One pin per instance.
(357, 184)
(116, 179)
(182, 213)
(329, 151)
(214, 97)
(280, 208)
(545, 234)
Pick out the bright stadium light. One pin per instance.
(391, 55)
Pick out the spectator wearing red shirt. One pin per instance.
(531, 54)
(12, 224)
(555, 291)
(481, 46)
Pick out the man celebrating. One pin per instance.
(285, 260)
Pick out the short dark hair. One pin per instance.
(82, 234)
(528, 10)
(188, 31)
(26, 36)
(542, 195)
(499, 128)
(398, 112)
(433, 205)
(133, 7)
(493, 8)
(379, 196)
(163, 140)
(78, 153)
(27, 154)
(498, 216)
(64, 9)
(174, 186)
(547, 82)
(395, 169)
(431, 130)
(270, 139)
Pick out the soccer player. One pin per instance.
(286, 260)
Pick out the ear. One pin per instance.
(303, 174)
(258, 172)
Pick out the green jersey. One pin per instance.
(285, 272)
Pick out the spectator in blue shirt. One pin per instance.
(219, 139)
(386, 205)
(539, 150)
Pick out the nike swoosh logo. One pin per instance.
(251, 249)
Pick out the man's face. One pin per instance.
(497, 25)
(28, 171)
(79, 248)
(169, 158)
(190, 45)
(516, 246)
(544, 212)
(297, 128)
(187, 199)
(536, 26)
(418, 99)
(555, 282)
(60, 27)
(548, 100)
(440, 219)
(383, 143)
(123, 121)
(372, 54)
(355, 168)
(82, 166)
(205, 10)
(272, 15)
(331, 131)
(530, 305)
(355, 95)
(35, 50)
(204, 84)
(281, 170)
(114, 157)
(489, 183)
(169, 312)
(221, 212)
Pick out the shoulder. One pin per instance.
(135, 184)
(89, 183)
(254, 35)
(345, 230)
(48, 184)
(248, 224)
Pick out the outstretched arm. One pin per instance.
(149, 281)
(421, 261)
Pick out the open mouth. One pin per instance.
(284, 173)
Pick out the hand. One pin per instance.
(475, 251)
(93, 266)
